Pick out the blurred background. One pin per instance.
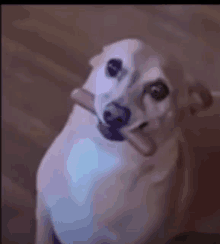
(45, 54)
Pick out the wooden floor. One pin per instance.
(45, 53)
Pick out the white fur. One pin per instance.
(92, 190)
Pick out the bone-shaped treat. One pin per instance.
(144, 145)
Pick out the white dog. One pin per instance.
(119, 172)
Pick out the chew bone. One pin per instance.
(144, 145)
(84, 98)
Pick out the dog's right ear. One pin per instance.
(94, 61)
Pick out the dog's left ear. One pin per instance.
(201, 98)
(191, 95)
(197, 98)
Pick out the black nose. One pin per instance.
(116, 115)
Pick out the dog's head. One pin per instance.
(136, 88)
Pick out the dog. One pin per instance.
(120, 171)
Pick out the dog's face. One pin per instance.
(131, 89)
(136, 88)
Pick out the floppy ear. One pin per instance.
(190, 96)
(202, 98)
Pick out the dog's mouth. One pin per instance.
(114, 134)
(109, 132)
(143, 125)
(136, 136)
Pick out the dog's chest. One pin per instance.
(94, 191)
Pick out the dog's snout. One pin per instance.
(116, 115)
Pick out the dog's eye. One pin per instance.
(114, 66)
(159, 90)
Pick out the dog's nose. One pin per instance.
(116, 115)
